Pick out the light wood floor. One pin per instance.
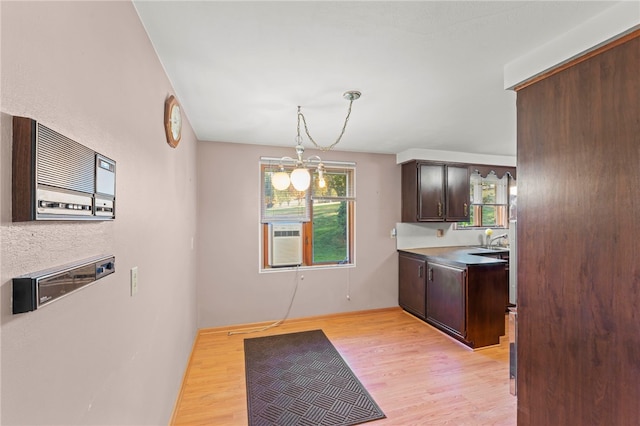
(417, 375)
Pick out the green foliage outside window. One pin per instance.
(329, 232)
(330, 243)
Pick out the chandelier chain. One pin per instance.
(306, 129)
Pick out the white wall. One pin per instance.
(98, 356)
(231, 290)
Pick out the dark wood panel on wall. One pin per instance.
(23, 170)
(578, 243)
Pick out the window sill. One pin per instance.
(305, 268)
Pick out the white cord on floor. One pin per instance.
(277, 323)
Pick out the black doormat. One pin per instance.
(301, 379)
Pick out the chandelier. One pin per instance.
(300, 177)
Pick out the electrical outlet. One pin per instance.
(440, 233)
(134, 281)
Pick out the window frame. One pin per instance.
(348, 168)
(501, 208)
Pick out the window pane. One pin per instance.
(488, 193)
(339, 184)
(282, 205)
(488, 215)
(335, 185)
(330, 236)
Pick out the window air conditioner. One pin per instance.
(285, 244)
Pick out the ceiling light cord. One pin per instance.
(300, 177)
(351, 96)
(297, 278)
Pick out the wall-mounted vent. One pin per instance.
(56, 178)
(64, 163)
(285, 244)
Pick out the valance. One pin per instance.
(499, 171)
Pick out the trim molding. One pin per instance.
(257, 325)
(571, 63)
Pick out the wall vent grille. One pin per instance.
(64, 163)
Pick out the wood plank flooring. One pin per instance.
(417, 375)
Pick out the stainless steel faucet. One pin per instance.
(497, 238)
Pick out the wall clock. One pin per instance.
(172, 121)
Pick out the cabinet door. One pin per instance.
(411, 291)
(458, 193)
(446, 297)
(431, 192)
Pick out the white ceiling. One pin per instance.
(430, 72)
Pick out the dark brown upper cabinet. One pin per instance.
(435, 192)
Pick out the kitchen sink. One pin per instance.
(495, 252)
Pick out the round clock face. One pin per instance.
(172, 121)
(176, 122)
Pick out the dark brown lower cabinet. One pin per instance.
(503, 256)
(446, 297)
(466, 302)
(411, 290)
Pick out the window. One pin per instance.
(326, 214)
(489, 202)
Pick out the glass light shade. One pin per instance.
(280, 181)
(301, 179)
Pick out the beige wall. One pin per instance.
(99, 356)
(231, 290)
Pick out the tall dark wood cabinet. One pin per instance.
(578, 133)
(411, 281)
(435, 192)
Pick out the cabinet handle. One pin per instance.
(430, 274)
(420, 271)
(439, 209)
(466, 209)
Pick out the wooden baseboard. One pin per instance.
(258, 325)
(184, 377)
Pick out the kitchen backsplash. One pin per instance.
(415, 235)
